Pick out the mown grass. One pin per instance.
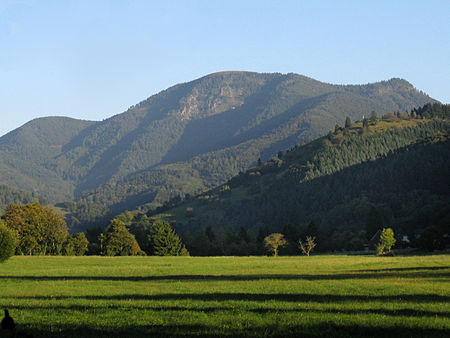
(228, 296)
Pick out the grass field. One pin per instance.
(228, 296)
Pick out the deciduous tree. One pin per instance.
(274, 241)
(308, 245)
(38, 229)
(7, 242)
(386, 241)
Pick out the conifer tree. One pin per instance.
(348, 122)
(163, 240)
(210, 233)
(118, 240)
(243, 235)
(76, 245)
(373, 222)
(365, 123)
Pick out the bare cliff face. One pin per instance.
(217, 93)
(200, 104)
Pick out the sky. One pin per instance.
(93, 59)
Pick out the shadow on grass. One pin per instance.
(258, 297)
(422, 268)
(194, 330)
(431, 272)
(240, 310)
(384, 312)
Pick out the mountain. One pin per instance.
(396, 169)
(29, 156)
(186, 139)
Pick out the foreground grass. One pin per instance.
(256, 296)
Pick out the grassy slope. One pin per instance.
(256, 296)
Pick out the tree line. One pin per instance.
(34, 229)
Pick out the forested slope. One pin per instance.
(9, 196)
(29, 156)
(397, 169)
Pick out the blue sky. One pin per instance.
(93, 59)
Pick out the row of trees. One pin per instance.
(37, 230)
(275, 241)
(33, 229)
(427, 111)
(229, 241)
(159, 239)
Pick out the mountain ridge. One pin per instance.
(189, 137)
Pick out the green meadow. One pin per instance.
(361, 296)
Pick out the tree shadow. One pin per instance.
(261, 305)
(260, 310)
(197, 330)
(256, 297)
(384, 312)
(432, 268)
(364, 274)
